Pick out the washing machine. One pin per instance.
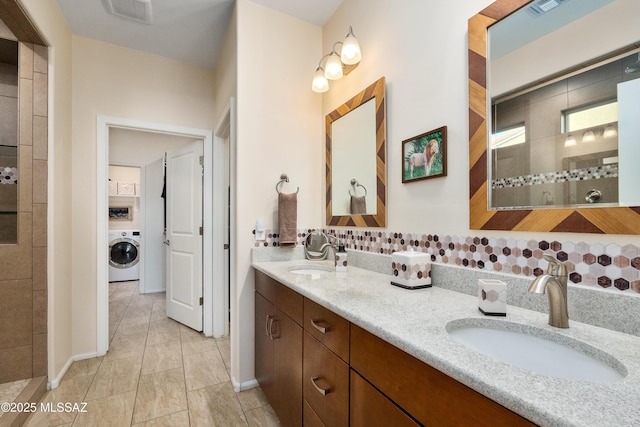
(124, 255)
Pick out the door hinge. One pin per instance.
(201, 300)
(226, 246)
(201, 160)
(201, 230)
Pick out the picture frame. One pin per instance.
(425, 156)
(120, 213)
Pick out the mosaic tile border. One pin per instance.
(8, 175)
(583, 174)
(593, 264)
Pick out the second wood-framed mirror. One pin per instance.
(609, 220)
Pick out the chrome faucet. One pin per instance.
(332, 243)
(554, 283)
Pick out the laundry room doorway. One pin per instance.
(136, 202)
(212, 250)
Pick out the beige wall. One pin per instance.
(279, 125)
(47, 17)
(226, 71)
(118, 82)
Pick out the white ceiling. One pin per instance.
(191, 31)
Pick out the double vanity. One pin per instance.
(350, 349)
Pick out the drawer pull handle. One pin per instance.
(318, 327)
(321, 390)
(266, 326)
(271, 321)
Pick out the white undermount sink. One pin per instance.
(310, 270)
(537, 350)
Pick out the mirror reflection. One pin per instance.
(353, 156)
(562, 134)
(8, 142)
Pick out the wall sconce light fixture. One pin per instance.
(336, 66)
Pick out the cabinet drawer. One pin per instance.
(431, 397)
(327, 327)
(288, 300)
(369, 407)
(309, 417)
(325, 383)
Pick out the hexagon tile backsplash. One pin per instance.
(606, 266)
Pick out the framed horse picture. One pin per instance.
(425, 156)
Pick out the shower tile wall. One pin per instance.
(23, 284)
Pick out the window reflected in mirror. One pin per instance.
(571, 151)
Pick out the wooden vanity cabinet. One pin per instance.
(431, 397)
(348, 376)
(278, 347)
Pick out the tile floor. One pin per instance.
(9, 391)
(157, 373)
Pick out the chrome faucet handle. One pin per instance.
(556, 267)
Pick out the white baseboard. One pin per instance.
(238, 386)
(153, 291)
(54, 383)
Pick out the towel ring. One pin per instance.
(284, 178)
(356, 184)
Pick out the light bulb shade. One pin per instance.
(610, 132)
(333, 67)
(320, 83)
(350, 53)
(588, 136)
(570, 141)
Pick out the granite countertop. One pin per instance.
(415, 321)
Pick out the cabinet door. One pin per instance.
(325, 383)
(369, 407)
(264, 319)
(287, 369)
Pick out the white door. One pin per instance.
(184, 239)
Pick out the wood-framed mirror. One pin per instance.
(605, 220)
(356, 152)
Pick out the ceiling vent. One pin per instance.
(541, 7)
(135, 10)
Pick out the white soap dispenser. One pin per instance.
(341, 259)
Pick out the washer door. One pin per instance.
(124, 253)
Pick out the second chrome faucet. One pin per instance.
(554, 284)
